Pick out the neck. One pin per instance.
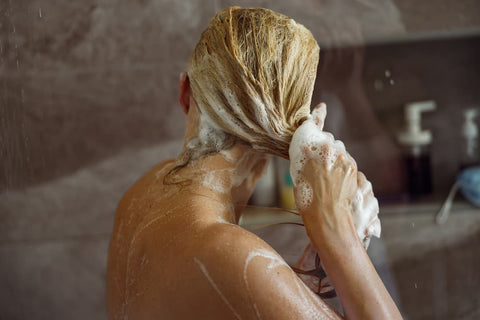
(227, 178)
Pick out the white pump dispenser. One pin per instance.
(414, 136)
(416, 142)
(471, 152)
(470, 130)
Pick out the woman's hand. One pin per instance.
(365, 211)
(329, 224)
(333, 184)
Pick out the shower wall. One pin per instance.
(88, 102)
(82, 81)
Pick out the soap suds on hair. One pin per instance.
(252, 73)
(308, 142)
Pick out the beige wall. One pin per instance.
(82, 81)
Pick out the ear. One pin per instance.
(185, 92)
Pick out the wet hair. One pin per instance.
(252, 75)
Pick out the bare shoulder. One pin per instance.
(242, 268)
(219, 270)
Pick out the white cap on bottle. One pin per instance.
(413, 134)
(469, 128)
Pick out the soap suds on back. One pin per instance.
(215, 287)
(302, 297)
(275, 261)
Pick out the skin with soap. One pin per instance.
(177, 251)
(311, 142)
(189, 251)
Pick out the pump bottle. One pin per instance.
(416, 144)
(470, 155)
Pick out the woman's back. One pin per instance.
(148, 270)
(174, 255)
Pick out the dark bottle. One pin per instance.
(416, 143)
(419, 176)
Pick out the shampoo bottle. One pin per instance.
(470, 155)
(416, 144)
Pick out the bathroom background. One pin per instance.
(88, 102)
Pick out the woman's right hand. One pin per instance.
(330, 227)
(333, 184)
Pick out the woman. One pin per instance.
(177, 251)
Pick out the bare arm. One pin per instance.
(252, 279)
(330, 228)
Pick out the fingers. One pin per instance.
(340, 165)
(364, 185)
(369, 204)
(324, 153)
(346, 163)
(329, 156)
(375, 228)
(319, 113)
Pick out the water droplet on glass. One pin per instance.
(415, 284)
(392, 82)
(40, 12)
(388, 73)
(413, 224)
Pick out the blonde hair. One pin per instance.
(252, 75)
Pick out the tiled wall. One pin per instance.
(88, 101)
